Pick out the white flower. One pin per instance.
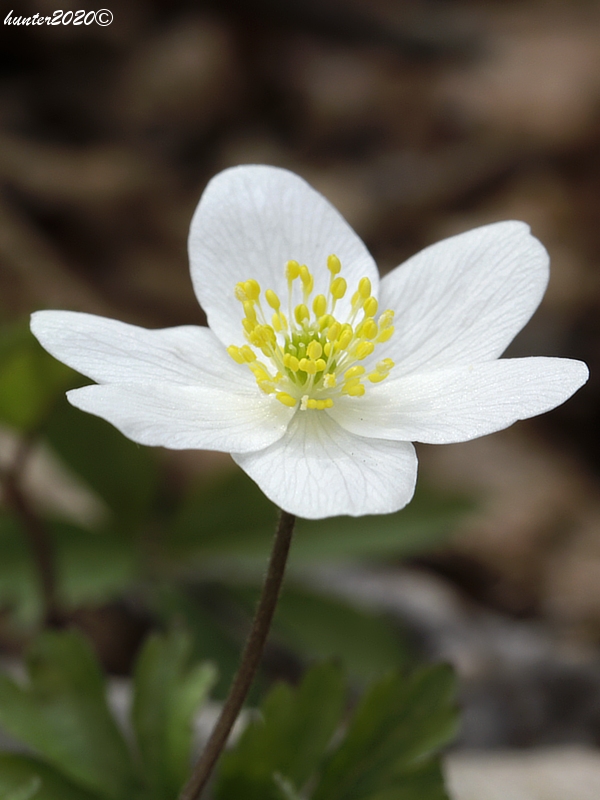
(315, 375)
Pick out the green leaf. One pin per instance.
(321, 627)
(423, 782)
(63, 715)
(210, 526)
(399, 724)
(30, 379)
(120, 471)
(26, 791)
(278, 753)
(167, 694)
(26, 778)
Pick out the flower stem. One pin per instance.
(250, 660)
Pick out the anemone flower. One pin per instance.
(314, 374)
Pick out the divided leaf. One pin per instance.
(279, 752)
(390, 749)
(394, 733)
(63, 715)
(167, 694)
(25, 778)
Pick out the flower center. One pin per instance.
(312, 357)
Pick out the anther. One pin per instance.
(344, 340)
(252, 289)
(354, 372)
(301, 313)
(310, 367)
(334, 331)
(334, 265)
(370, 307)
(286, 399)
(314, 350)
(292, 270)
(364, 288)
(320, 306)
(364, 349)
(291, 362)
(249, 310)
(369, 328)
(272, 299)
(354, 389)
(386, 334)
(240, 292)
(236, 354)
(338, 288)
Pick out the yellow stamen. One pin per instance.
(364, 349)
(286, 399)
(385, 335)
(292, 270)
(364, 287)
(320, 305)
(314, 350)
(369, 328)
(236, 354)
(338, 288)
(354, 389)
(301, 313)
(252, 289)
(370, 307)
(249, 310)
(334, 264)
(313, 360)
(354, 372)
(248, 354)
(272, 299)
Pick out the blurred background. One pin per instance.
(418, 120)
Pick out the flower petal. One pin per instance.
(250, 221)
(109, 351)
(455, 405)
(186, 417)
(319, 470)
(464, 299)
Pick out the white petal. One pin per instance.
(250, 221)
(319, 470)
(455, 405)
(186, 417)
(464, 299)
(109, 351)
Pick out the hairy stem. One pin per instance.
(250, 660)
